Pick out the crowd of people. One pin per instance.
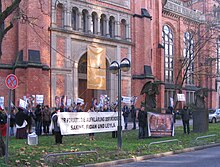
(22, 120)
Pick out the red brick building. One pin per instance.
(49, 53)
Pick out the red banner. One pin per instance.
(160, 125)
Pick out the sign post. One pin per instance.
(11, 82)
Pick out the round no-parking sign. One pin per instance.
(11, 81)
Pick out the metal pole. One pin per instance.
(119, 111)
(8, 125)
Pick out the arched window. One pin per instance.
(168, 54)
(94, 23)
(188, 53)
(60, 15)
(123, 29)
(218, 56)
(75, 18)
(103, 25)
(112, 27)
(85, 20)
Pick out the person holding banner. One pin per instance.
(142, 118)
(56, 128)
(21, 123)
(125, 113)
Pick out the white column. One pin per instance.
(53, 89)
(68, 61)
(128, 32)
(53, 16)
(53, 50)
(65, 17)
(98, 28)
(80, 21)
(89, 23)
(75, 82)
(117, 30)
(68, 19)
(69, 86)
(107, 27)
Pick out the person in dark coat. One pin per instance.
(12, 122)
(30, 114)
(46, 119)
(125, 113)
(3, 121)
(21, 123)
(142, 118)
(56, 127)
(185, 114)
(38, 119)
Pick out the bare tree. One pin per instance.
(196, 62)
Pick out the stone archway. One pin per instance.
(89, 94)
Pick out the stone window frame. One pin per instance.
(103, 24)
(94, 23)
(112, 26)
(74, 18)
(123, 27)
(85, 20)
(168, 43)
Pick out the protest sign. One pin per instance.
(68, 102)
(39, 99)
(160, 125)
(181, 97)
(126, 99)
(22, 103)
(87, 122)
(79, 100)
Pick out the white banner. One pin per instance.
(39, 99)
(88, 122)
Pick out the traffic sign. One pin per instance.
(11, 81)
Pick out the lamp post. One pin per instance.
(116, 68)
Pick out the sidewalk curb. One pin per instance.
(146, 157)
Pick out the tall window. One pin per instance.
(94, 23)
(188, 53)
(123, 29)
(85, 20)
(60, 16)
(103, 25)
(74, 18)
(218, 56)
(168, 54)
(112, 27)
(189, 97)
(168, 99)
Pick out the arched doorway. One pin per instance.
(89, 94)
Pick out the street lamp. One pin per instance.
(115, 68)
